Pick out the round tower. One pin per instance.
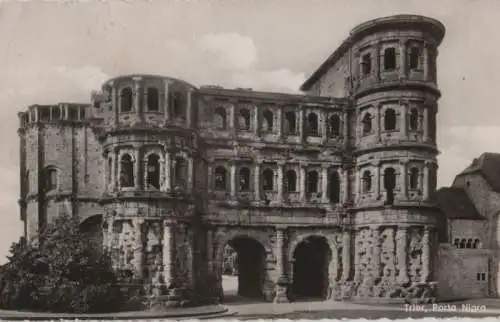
(396, 95)
(153, 163)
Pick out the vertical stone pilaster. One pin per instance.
(279, 117)
(190, 170)
(376, 251)
(280, 288)
(233, 179)
(256, 187)
(324, 126)
(210, 178)
(302, 178)
(402, 57)
(426, 124)
(189, 108)
(426, 61)
(168, 254)
(401, 253)
(168, 172)
(324, 184)
(404, 177)
(113, 170)
(344, 177)
(426, 255)
(376, 66)
(346, 255)
(345, 131)
(378, 180)
(138, 249)
(114, 104)
(256, 120)
(111, 222)
(426, 183)
(379, 122)
(137, 97)
(137, 168)
(404, 118)
(358, 183)
(301, 124)
(280, 181)
(232, 118)
(166, 100)
(210, 250)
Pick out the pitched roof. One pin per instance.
(488, 165)
(456, 204)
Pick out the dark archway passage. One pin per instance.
(310, 268)
(250, 267)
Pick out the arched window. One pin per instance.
(126, 99)
(50, 177)
(268, 178)
(334, 187)
(312, 124)
(127, 171)
(414, 174)
(367, 181)
(463, 243)
(244, 179)
(390, 59)
(414, 57)
(153, 99)
(389, 185)
(244, 120)
(291, 181)
(180, 173)
(456, 243)
(153, 171)
(220, 179)
(413, 119)
(220, 120)
(366, 64)
(334, 125)
(267, 121)
(312, 181)
(390, 119)
(477, 243)
(469, 243)
(290, 123)
(367, 123)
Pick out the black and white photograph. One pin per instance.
(239, 160)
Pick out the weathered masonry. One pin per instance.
(323, 195)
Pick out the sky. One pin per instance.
(59, 51)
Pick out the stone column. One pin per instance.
(210, 178)
(404, 177)
(376, 66)
(378, 180)
(379, 122)
(232, 117)
(426, 124)
(302, 185)
(345, 132)
(114, 104)
(280, 181)
(114, 168)
(324, 126)
(137, 169)
(256, 123)
(168, 172)
(168, 254)
(189, 108)
(345, 184)
(403, 67)
(346, 255)
(426, 183)
(233, 179)
(425, 255)
(426, 61)
(401, 253)
(137, 97)
(404, 117)
(162, 175)
(166, 101)
(324, 184)
(334, 263)
(358, 182)
(190, 173)
(279, 117)
(300, 124)
(281, 296)
(138, 249)
(256, 184)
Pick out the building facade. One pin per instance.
(323, 195)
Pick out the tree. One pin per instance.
(59, 271)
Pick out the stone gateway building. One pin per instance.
(322, 195)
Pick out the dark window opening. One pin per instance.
(367, 181)
(290, 123)
(153, 171)
(72, 113)
(56, 114)
(220, 119)
(220, 179)
(127, 171)
(244, 120)
(366, 64)
(414, 57)
(312, 124)
(334, 125)
(476, 243)
(176, 100)
(469, 243)
(334, 187)
(44, 114)
(390, 59)
(413, 119)
(126, 99)
(110, 169)
(50, 179)
(367, 123)
(456, 242)
(244, 179)
(389, 185)
(390, 120)
(414, 174)
(312, 182)
(463, 243)
(153, 99)
(180, 173)
(291, 181)
(82, 114)
(268, 177)
(267, 121)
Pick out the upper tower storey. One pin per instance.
(392, 51)
(145, 101)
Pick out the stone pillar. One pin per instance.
(404, 117)
(137, 169)
(137, 97)
(256, 184)
(190, 173)
(334, 263)
(426, 124)
(403, 67)
(210, 251)
(279, 117)
(379, 122)
(280, 289)
(376, 251)
(426, 183)
(114, 168)
(324, 126)
(425, 255)
(280, 181)
(376, 66)
(166, 101)
(168, 172)
(346, 255)
(358, 182)
(345, 132)
(345, 184)
(426, 61)
(138, 249)
(232, 118)
(110, 234)
(168, 254)
(256, 123)
(355, 237)
(210, 178)
(378, 180)
(162, 175)
(189, 108)
(401, 253)
(300, 124)
(404, 177)
(114, 104)
(232, 178)
(324, 184)
(302, 185)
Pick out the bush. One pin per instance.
(60, 271)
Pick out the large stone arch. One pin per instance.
(92, 227)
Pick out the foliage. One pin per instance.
(60, 271)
